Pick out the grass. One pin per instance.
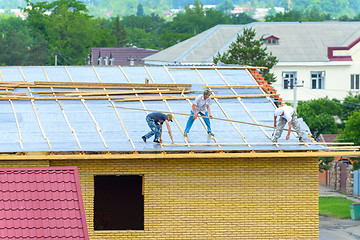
(335, 206)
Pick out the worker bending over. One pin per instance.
(200, 106)
(287, 115)
(155, 121)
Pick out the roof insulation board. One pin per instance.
(94, 125)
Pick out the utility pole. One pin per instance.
(55, 54)
(296, 85)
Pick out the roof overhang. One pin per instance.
(167, 155)
(343, 53)
(314, 64)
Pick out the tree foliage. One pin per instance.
(140, 10)
(320, 115)
(18, 45)
(351, 132)
(350, 104)
(119, 31)
(310, 15)
(70, 31)
(324, 163)
(246, 50)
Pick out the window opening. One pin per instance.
(118, 202)
(355, 81)
(289, 79)
(318, 80)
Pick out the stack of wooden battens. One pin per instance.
(98, 91)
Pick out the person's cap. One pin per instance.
(278, 112)
(171, 117)
(207, 92)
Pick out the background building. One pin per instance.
(323, 57)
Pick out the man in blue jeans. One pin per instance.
(200, 106)
(155, 121)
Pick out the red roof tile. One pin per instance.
(41, 203)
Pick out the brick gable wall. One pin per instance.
(214, 198)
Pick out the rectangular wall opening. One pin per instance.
(118, 202)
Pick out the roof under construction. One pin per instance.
(87, 108)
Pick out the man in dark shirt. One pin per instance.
(155, 121)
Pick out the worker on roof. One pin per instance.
(155, 121)
(287, 115)
(200, 106)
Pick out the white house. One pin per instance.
(323, 57)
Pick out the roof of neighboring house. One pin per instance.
(121, 56)
(41, 203)
(78, 108)
(298, 42)
(328, 137)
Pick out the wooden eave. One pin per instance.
(168, 155)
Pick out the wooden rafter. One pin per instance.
(35, 111)
(15, 116)
(89, 112)
(116, 111)
(222, 109)
(63, 113)
(168, 106)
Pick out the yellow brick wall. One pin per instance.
(214, 198)
(20, 164)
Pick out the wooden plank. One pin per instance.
(222, 109)
(72, 130)
(95, 93)
(15, 116)
(116, 111)
(35, 111)
(252, 143)
(89, 112)
(159, 98)
(184, 114)
(158, 155)
(168, 106)
(242, 104)
(86, 84)
(233, 86)
(105, 92)
(216, 67)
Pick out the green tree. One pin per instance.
(320, 115)
(18, 45)
(351, 132)
(241, 18)
(226, 6)
(68, 28)
(324, 163)
(39, 53)
(246, 50)
(290, 16)
(140, 10)
(350, 104)
(119, 32)
(13, 47)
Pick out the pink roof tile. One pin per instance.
(41, 203)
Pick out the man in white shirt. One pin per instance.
(287, 115)
(200, 106)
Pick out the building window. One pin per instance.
(271, 41)
(118, 202)
(318, 80)
(355, 81)
(289, 79)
